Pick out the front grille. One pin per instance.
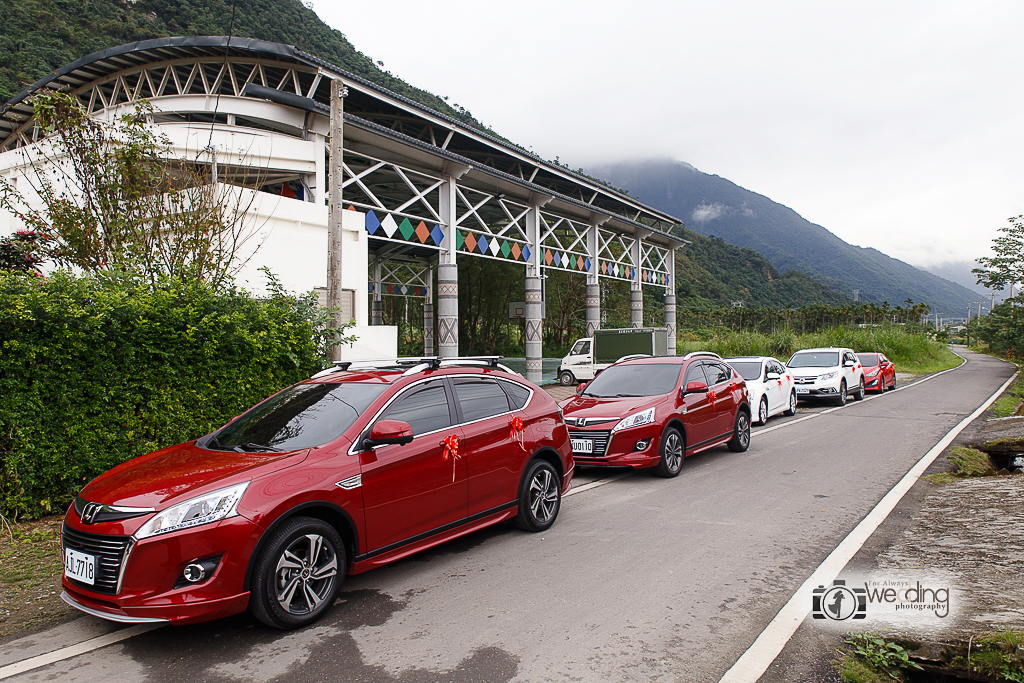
(109, 552)
(600, 440)
(804, 380)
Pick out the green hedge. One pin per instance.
(94, 373)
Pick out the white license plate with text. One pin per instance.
(80, 566)
(802, 390)
(582, 446)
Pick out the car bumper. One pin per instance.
(875, 383)
(622, 448)
(202, 610)
(818, 390)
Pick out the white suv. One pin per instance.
(827, 374)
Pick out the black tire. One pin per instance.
(290, 590)
(859, 396)
(673, 452)
(740, 440)
(893, 387)
(762, 411)
(841, 398)
(540, 497)
(566, 378)
(791, 410)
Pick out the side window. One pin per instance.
(585, 348)
(777, 367)
(480, 398)
(518, 395)
(717, 373)
(695, 374)
(425, 410)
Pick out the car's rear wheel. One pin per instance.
(297, 574)
(566, 378)
(762, 411)
(792, 404)
(741, 433)
(540, 496)
(841, 398)
(859, 396)
(673, 450)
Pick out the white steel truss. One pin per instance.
(615, 255)
(404, 278)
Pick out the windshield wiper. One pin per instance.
(627, 395)
(249, 447)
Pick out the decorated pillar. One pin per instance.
(378, 304)
(428, 315)
(593, 286)
(534, 291)
(447, 269)
(670, 303)
(636, 293)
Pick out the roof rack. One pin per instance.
(435, 363)
(701, 353)
(367, 364)
(413, 364)
(634, 356)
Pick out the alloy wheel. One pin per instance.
(305, 574)
(543, 495)
(673, 452)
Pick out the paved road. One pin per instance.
(641, 579)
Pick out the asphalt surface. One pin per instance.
(640, 579)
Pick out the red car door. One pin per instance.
(414, 489)
(493, 457)
(697, 409)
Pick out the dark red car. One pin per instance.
(879, 372)
(652, 412)
(347, 471)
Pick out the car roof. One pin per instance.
(823, 348)
(761, 358)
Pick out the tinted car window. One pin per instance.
(302, 416)
(868, 360)
(814, 359)
(425, 410)
(695, 373)
(717, 373)
(518, 395)
(634, 379)
(748, 369)
(480, 398)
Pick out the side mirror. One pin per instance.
(772, 375)
(580, 387)
(388, 432)
(848, 364)
(696, 387)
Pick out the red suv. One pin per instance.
(652, 412)
(344, 472)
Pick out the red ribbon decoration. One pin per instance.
(711, 397)
(516, 430)
(451, 450)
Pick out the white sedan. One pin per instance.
(770, 385)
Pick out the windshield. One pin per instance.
(634, 380)
(814, 359)
(302, 416)
(868, 360)
(748, 369)
(582, 347)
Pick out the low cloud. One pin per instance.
(707, 212)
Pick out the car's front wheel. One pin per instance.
(673, 449)
(762, 411)
(841, 398)
(859, 396)
(297, 574)
(741, 433)
(791, 410)
(540, 496)
(566, 378)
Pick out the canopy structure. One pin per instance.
(430, 189)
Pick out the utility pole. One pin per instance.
(334, 236)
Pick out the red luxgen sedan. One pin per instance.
(653, 412)
(347, 471)
(879, 372)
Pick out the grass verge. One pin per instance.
(30, 573)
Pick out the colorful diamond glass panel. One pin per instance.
(516, 251)
(586, 264)
(389, 225)
(526, 253)
(405, 227)
(547, 256)
(482, 244)
(505, 249)
(437, 235)
(371, 222)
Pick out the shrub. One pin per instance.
(95, 372)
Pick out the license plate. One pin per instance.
(802, 390)
(582, 446)
(79, 566)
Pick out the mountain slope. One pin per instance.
(711, 205)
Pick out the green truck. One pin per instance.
(591, 355)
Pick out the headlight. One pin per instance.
(827, 375)
(872, 373)
(211, 507)
(635, 420)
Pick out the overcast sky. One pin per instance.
(896, 125)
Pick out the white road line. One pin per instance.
(759, 656)
(599, 482)
(74, 650)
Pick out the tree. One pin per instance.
(1007, 266)
(23, 252)
(113, 198)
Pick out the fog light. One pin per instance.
(194, 573)
(642, 445)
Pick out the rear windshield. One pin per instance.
(814, 359)
(748, 369)
(868, 360)
(302, 416)
(634, 380)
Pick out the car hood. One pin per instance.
(167, 476)
(585, 406)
